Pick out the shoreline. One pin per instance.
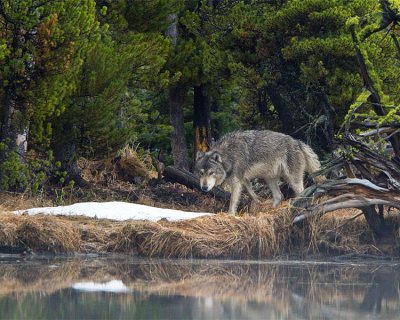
(220, 236)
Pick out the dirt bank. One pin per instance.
(260, 233)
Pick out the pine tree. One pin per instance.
(43, 44)
(294, 62)
(117, 78)
(199, 63)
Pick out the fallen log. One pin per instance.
(186, 178)
(372, 184)
(348, 193)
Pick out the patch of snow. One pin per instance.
(115, 210)
(111, 286)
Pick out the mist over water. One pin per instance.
(132, 288)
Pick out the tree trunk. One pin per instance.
(172, 30)
(262, 104)
(67, 155)
(376, 221)
(201, 104)
(11, 132)
(328, 130)
(217, 128)
(201, 121)
(177, 97)
(6, 113)
(284, 114)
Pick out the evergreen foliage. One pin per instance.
(85, 77)
(44, 44)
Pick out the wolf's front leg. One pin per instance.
(236, 187)
(273, 185)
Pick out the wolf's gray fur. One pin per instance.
(242, 156)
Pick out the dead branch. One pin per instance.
(359, 193)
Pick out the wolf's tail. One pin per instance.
(312, 162)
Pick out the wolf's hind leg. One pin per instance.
(276, 192)
(250, 191)
(296, 183)
(297, 187)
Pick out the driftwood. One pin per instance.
(375, 185)
(346, 193)
(186, 178)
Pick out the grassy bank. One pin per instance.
(263, 235)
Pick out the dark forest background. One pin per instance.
(84, 78)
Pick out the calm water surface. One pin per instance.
(131, 288)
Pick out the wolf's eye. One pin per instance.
(210, 173)
(201, 173)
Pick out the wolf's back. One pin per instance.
(256, 141)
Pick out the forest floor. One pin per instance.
(256, 232)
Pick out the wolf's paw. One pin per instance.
(275, 203)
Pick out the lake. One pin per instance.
(133, 288)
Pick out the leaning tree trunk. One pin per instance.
(328, 130)
(374, 97)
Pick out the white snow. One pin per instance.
(110, 286)
(115, 210)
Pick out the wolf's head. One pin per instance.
(210, 169)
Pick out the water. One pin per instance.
(131, 288)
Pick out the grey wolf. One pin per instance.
(241, 156)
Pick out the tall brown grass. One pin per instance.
(264, 235)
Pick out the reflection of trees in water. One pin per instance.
(347, 292)
(298, 289)
(385, 286)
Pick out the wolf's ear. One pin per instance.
(199, 155)
(217, 157)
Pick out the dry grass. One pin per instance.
(18, 201)
(44, 234)
(127, 166)
(218, 236)
(221, 235)
(39, 233)
(56, 234)
(268, 233)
